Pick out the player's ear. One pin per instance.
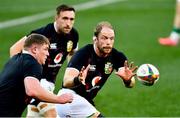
(56, 17)
(34, 49)
(94, 38)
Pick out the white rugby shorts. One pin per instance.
(79, 107)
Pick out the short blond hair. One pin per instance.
(35, 39)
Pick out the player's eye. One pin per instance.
(71, 19)
(65, 18)
(112, 38)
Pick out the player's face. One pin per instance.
(105, 41)
(42, 53)
(65, 21)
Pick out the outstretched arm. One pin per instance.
(34, 89)
(127, 74)
(74, 77)
(17, 47)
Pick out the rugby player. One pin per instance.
(19, 79)
(63, 40)
(89, 69)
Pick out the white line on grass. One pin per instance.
(40, 16)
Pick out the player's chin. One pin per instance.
(43, 62)
(107, 50)
(67, 30)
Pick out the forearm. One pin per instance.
(17, 47)
(71, 83)
(45, 95)
(13, 51)
(69, 76)
(35, 90)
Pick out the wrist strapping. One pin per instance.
(127, 82)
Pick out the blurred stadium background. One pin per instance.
(138, 25)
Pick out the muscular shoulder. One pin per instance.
(118, 54)
(81, 57)
(86, 50)
(24, 59)
(30, 61)
(45, 30)
(74, 33)
(31, 67)
(118, 58)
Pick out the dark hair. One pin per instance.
(100, 25)
(64, 7)
(35, 39)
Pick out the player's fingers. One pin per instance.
(134, 68)
(70, 95)
(82, 69)
(81, 72)
(132, 75)
(87, 68)
(131, 65)
(71, 98)
(126, 64)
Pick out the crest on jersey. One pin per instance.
(108, 68)
(95, 80)
(58, 58)
(69, 46)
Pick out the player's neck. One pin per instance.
(55, 27)
(25, 52)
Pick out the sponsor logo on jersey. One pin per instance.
(55, 65)
(69, 46)
(93, 88)
(95, 80)
(53, 46)
(108, 68)
(58, 58)
(92, 68)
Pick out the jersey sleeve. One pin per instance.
(79, 59)
(33, 69)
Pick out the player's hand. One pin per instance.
(83, 74)
(126, 72)
(65, 98)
